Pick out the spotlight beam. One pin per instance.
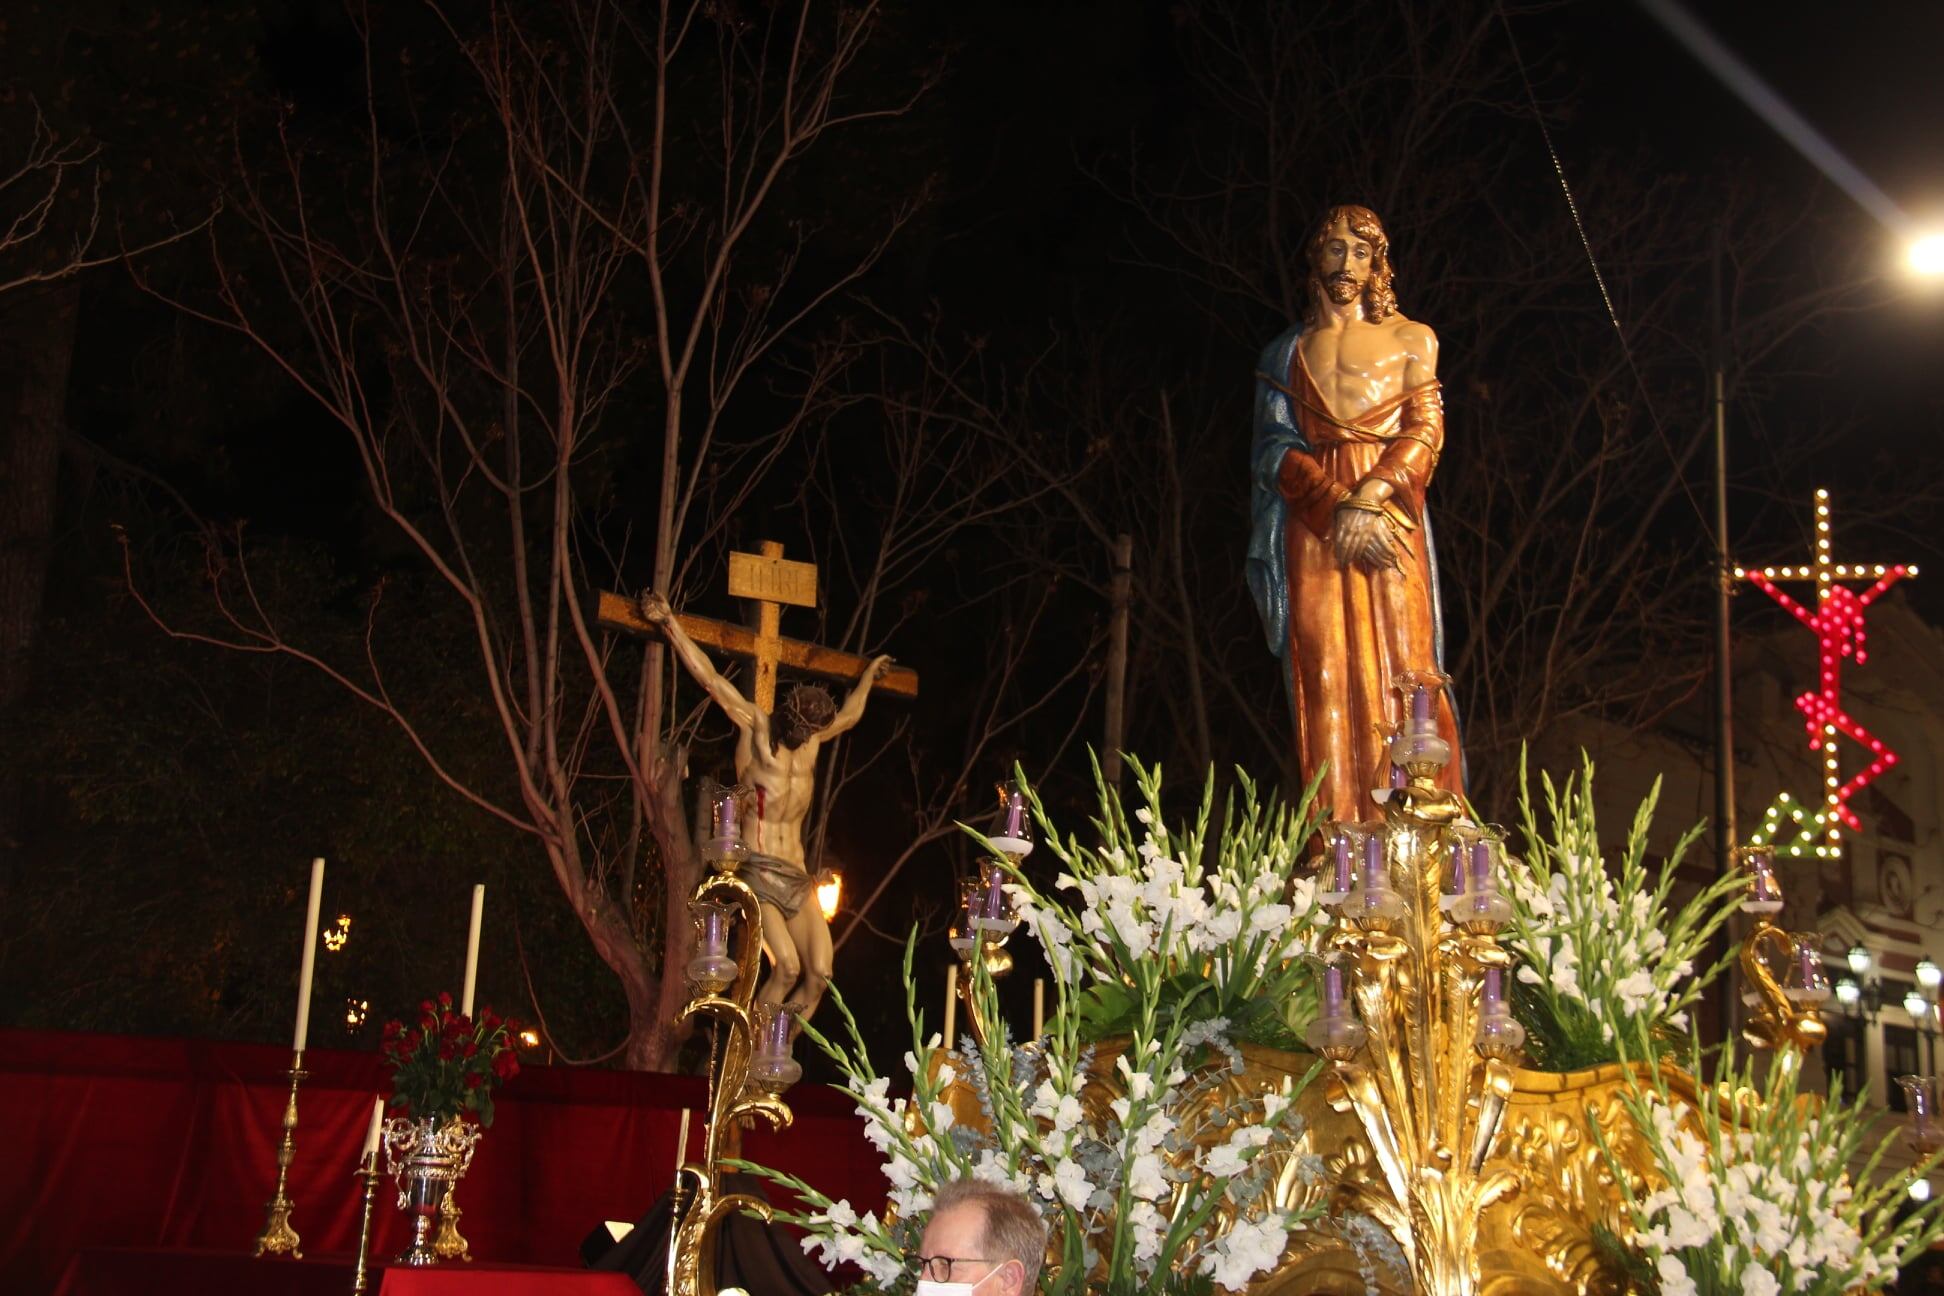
(1747, 86)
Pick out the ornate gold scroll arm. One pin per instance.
(731, 1098)
(1777, 1022)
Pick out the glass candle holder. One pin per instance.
(1808, 981)
(1336, 1033)
(1764, 889)
(725, 849)
(1485, 908)
(1920, 1098)
(984, 904)
(1418, 747)
(1499, 1034)
(1373, 903)
(1389, 777)
(1338, 871)
(1338, 874)
(712, 969)
(770, 1063)
(1012, 827)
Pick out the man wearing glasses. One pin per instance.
(982, 1238)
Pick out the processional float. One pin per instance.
(1489, 1177)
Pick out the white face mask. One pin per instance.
(926, 1287)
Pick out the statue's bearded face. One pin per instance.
(1343, 263)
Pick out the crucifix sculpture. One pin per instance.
(776, 748)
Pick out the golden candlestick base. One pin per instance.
(361, 1276)
(1428, 1098)
(448, 1243)
(733, 1096)
(277, 1236)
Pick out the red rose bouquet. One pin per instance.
(449, 1062)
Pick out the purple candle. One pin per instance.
(1420, 704)
(1763, 887)
(1334, 1008)
(1481, 868)
(1492, 1000)
(1455, 881)
(1397, 779)
(1340, 878)
(1015, 812)
(1374, 873)
(995, 896)
(727, 828)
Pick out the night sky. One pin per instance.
(1023, 241)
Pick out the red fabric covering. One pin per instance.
(109, 1141)
(197, 1273)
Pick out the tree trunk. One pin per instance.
(681, 870)
(36, 350)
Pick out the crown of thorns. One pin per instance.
(807, 705)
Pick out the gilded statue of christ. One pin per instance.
(1349, 424)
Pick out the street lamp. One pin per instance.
(1925, 256)
(1929, 976)
(1921, 1004)
(1860, 993)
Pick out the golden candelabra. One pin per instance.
(736, 1091)
(368, 1172)
(277, 1236)
(1785, 982)
(987, 916)
(1425, 1063)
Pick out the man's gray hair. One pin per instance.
(1013, 1227)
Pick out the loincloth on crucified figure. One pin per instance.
(776, 882)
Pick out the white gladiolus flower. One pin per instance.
(1069, 1183)
(1674, 1280)
(1149, 911)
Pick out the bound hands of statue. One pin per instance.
(1363, 537)
(655, 610)
(880, 667)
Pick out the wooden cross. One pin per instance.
(770, 581)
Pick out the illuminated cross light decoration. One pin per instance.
(355, 1012)
(335, 937)
(1809, 836)
(1838, 626)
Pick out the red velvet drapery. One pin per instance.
(115, 1141)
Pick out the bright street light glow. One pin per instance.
(1927, 255)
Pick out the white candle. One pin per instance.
(310, 956)
(681, 1141)
(371, 1135)
(472, 949)
(1039, 1007)
(951, 1003)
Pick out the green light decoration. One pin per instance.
(1790, 827)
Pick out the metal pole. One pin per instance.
(1110, 756)
(1725, 834)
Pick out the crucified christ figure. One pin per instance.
(777, 756)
